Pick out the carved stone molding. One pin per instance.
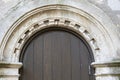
(78, 20)
(10, 65)
(9, 71)
(58, 22)
(104, 69)
(106, 64)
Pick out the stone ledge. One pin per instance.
(106, 64)
(2, 76)
(10, 64)
(107, 74)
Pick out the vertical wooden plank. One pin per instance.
(28, 63)
(75, 53)
(84, 61)
(47, 64)
(56, 55)
(38, 56)
(66, 57)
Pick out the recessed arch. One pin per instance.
(66, 50)
(56, 28)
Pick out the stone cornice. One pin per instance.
(108, 74)
(10, 64)
(106, 64)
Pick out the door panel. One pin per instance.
(56, 55)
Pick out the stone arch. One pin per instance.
(65, 23)
(85, 23)
(90, 28)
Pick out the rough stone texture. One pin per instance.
(11, 10)
(106, 11)
(112, 9)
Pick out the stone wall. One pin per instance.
(96, 20)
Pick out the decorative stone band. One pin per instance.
(50, 22)
(109, 74)
(106, 64)
(7, 76)
(9, 71)
(104, 69)
(10, 65)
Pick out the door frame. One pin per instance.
(59, 28)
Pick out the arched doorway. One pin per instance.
(56, 54)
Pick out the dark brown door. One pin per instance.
(56, 55)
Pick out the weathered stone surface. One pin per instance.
(99, 24)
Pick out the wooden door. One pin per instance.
(56, 55)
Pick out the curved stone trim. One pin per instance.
(58, 22)
(106, 64)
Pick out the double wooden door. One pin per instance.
(56, 55)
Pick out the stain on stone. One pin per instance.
(67, 22)
(77, 26)
(27, 32)
(46, 21)
(36, 25)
